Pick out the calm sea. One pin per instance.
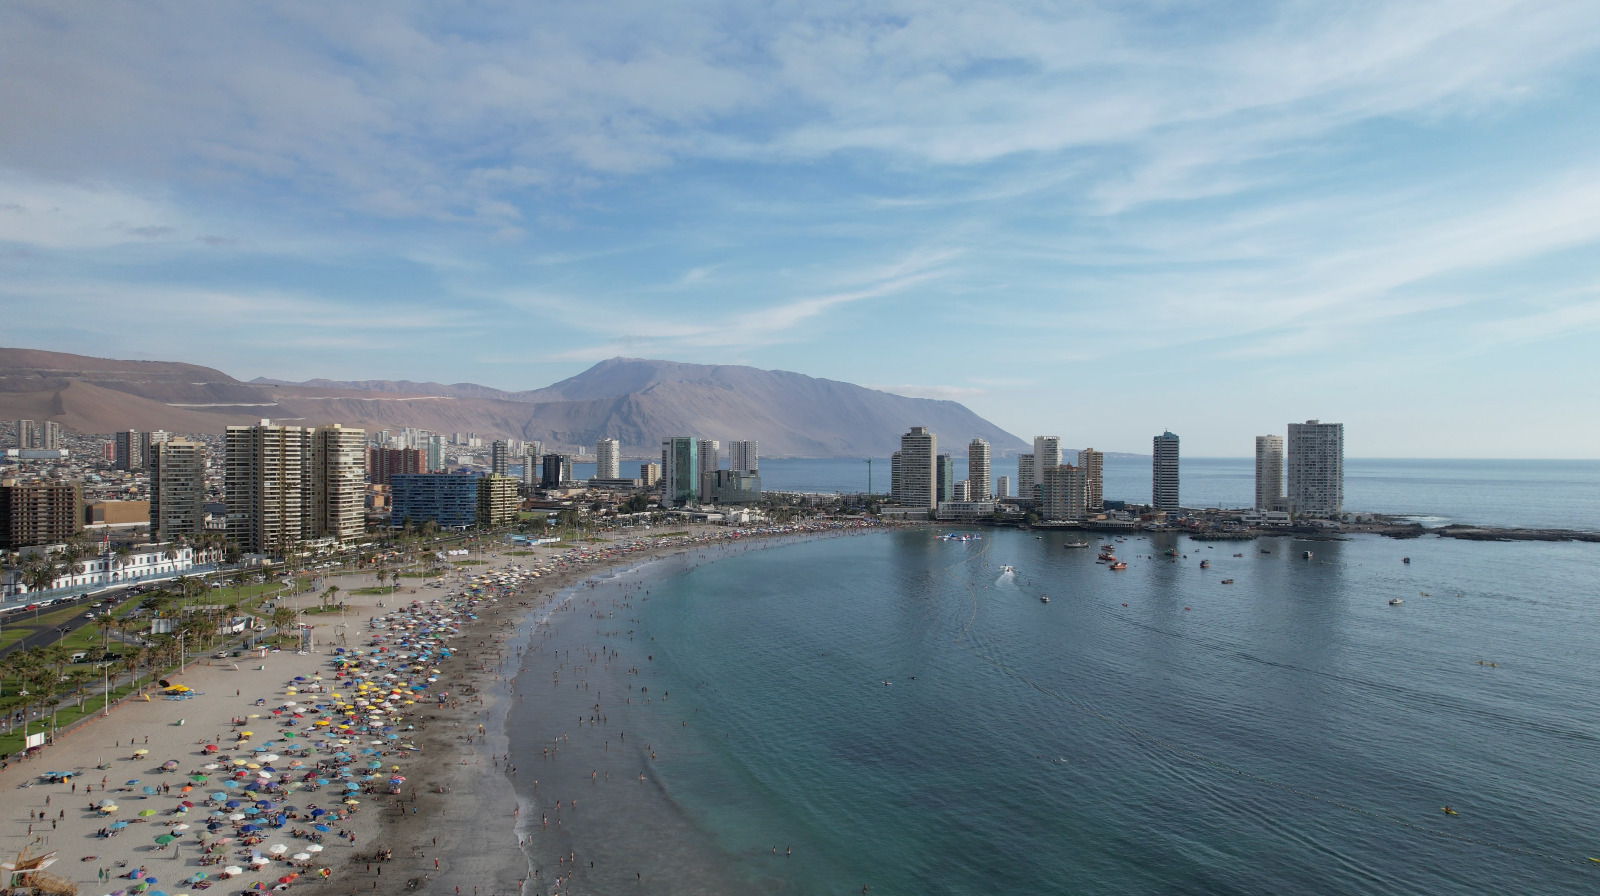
(906, 715)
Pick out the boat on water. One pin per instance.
(1305, 555)
(1238, 555)
(1405, 559)
(1227, 581)
(1118, 566)
(967, 536)
(1044, 598)
(1395, 601)
(1006, 569)
(1172, 552)
(1107, 556)
(1076, 544)
(1205, 564)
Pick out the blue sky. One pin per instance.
(1097, 221)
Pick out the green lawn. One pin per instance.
(66, 715)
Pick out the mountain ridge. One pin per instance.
(637, 401)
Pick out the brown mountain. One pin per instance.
(638, 402)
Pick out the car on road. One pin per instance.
(31, 607)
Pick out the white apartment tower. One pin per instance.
(1002, 487)
(27, 434)
(1269, 472)
(1046, 456)
(1315, 468)
(742, 456)
(608, 459)
(978, 470)
(265, 486)
(1164, 472)
(177, 489)
(338, 483)
(1093, 465)
(919, 452)
(1064, 493)
(1025, 479)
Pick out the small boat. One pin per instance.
(1238, 555)
(1449, 811)
(1305, 555)
(1227, 581)
(1205, 564)
(1265, 551)
(1044, 598)
(1405, 559)
(1006, 569)
(1395, 601)
(1119, 565)
(1076, 544)
(1107, 556)
(1172, 552)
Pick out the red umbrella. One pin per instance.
(286, 879)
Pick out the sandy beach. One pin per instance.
(452, 823)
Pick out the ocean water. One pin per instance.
(905, 715)
(1530, 493)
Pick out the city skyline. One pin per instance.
(1225, 218)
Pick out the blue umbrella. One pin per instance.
(352, 786)
(133, 782)
(263, 804)
(248, 829)
(219, 795)
(148, 789)
(322, 782)
(118, 825)
(233, 804)
(315, 813)
(321, 827)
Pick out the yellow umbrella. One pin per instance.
(140, 752)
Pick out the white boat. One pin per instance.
(1395, 601)
(1044, 598)
(1006, 569)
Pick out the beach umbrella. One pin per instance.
(141, 752)
(118, 825)
(321, 827)
(232, 869)
(301, 857)
(149, 790)
(219, 795)
(147, 813)
(248, 829)
(277, 849)
(164, 839)
(180, 827)
(286, 879)
(232, 804)
(131, 783)
(198, 779)
(170, 764)
(259, 860)
(315, 847)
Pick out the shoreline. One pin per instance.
(455, 785)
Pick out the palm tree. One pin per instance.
(120, 556)
(40, 572)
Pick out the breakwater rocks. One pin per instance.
(1486, 533)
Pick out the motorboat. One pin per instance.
(1044, 598)
(1227, 581)
(1205, 564)
(1006, 569)
(1118, 566)
(1076, 544)
(1395, 601)
(1305, 555)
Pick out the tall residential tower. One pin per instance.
(1315, 467)
(1164, 472)
(1269, 472)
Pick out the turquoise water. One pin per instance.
(1146, 731)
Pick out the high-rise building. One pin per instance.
(649, 474)
(742, 456)
(266, 488)
(433, 460)
(1046, 455)
(1164, 472)
(1025, 480)
(177, 489)
(1315, 468)
(450, 501)
(735, 487)
(385, 463)
(608, 459)
(707, 461)
(680, 475)
(555, 471)
(1269, 472)
(945, 473)
(39, 512)
(894, 477)
(978, 469)
(338, 475)
(147, 443)
(530, 466)
(27, 434)
(1064, 493)
(499, 457)
(50, 435)
(1093, 464)
(497, 500)
(918, 475)
(962, 491)
(128, 444)
(1002, 487)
